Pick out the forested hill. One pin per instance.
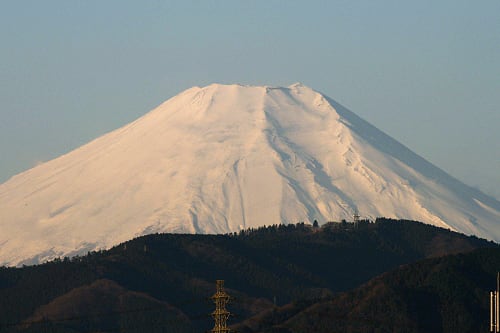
(162, 282)
(448, 294)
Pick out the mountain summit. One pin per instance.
(224, 158)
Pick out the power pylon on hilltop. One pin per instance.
(220, 315)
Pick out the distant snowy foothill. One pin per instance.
(224, 158)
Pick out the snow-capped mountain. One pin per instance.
(224, 158)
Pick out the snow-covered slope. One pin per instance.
(223, 158)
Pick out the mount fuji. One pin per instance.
(223, 158)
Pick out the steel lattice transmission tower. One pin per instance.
(220, 315)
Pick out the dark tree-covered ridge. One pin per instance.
(155, 277)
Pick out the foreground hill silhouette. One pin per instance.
(162, 282)
(446, 294)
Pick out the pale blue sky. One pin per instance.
(425, 72)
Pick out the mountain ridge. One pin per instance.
(223, 158)
(150, 279)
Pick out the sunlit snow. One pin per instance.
(224, 158)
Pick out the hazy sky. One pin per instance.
(425, 72)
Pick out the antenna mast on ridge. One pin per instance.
(495, 308)
(356, 217)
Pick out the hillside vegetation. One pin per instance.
(162, 282)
